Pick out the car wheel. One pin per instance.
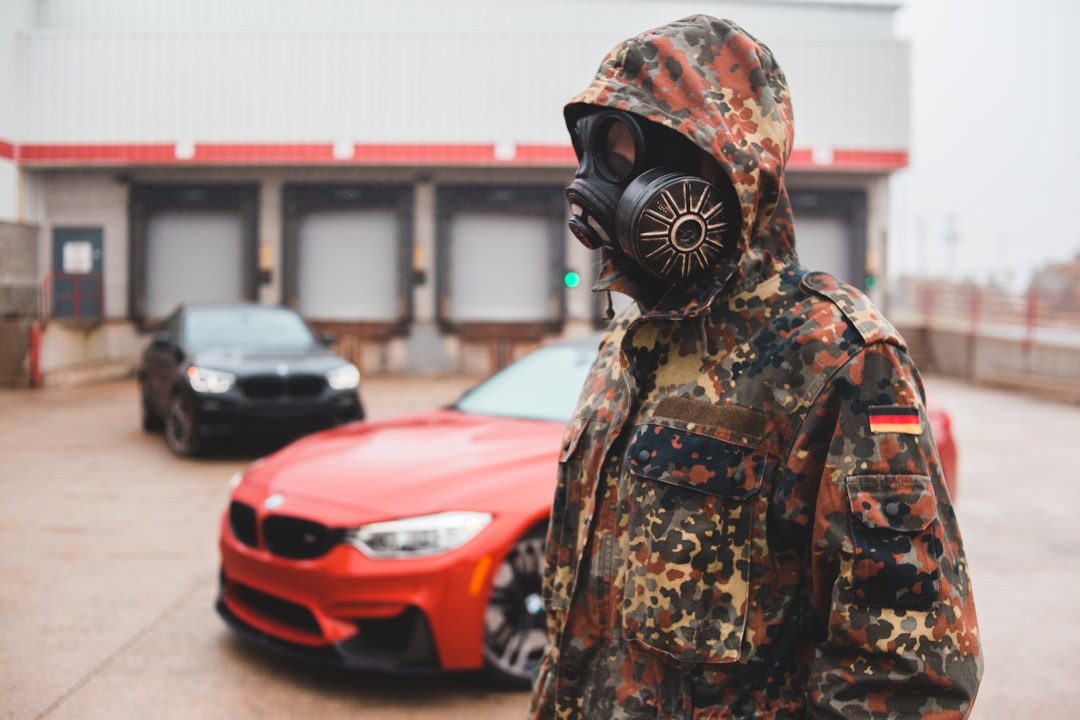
(515, 627)
(151, 420)
(180, 433)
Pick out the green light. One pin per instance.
(571, 279)
(871, 282)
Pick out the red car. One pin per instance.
(416, 543)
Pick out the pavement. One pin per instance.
(109, 564)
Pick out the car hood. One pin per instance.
(268, 361)
(434, 461)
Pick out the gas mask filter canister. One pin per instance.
(638, 190)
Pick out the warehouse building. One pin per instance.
(395, 171)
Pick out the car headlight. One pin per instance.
(417, 536)
(205, 380)
(344, 377)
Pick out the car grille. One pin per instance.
(243, 524)
(264, 387)
(285, 536)
(299, 539)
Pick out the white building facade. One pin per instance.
(395, 171)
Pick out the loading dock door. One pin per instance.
(824, 243)
(500, 268)
(193, 256)
(348, 266)
(830, 232)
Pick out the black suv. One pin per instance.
(217, 370)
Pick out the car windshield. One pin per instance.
(543, 385)
(232, 328)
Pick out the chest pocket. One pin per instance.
(694, 504)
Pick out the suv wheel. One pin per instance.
(180, 433)
(151, 420)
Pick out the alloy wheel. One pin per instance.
(515, 627)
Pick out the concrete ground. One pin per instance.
(108, 568)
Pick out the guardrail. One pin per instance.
(1052, 316)
(988, 335)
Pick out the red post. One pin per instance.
(973, 331)
(1031, 317)
(35, 355)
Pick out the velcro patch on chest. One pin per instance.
(902, 419)
(731, 417)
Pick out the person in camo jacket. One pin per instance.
(750, 518)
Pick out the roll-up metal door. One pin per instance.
(347, 262)
(824, 243)
(501, 260)
(191, 243)
(498, 269)
(348, 257)
(192, 257)
(830, 232)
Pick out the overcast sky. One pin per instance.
(995, 150)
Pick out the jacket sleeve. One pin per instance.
(888, 576)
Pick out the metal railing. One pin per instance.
(1044, 316)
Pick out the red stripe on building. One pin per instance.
(423, 154)
(870, 159)
(546, 154)
(261, 153)
(385, 154)
(850, 160)
(97, 154)
(801, 158)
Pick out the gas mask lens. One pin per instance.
(617, 152)
(610, 146)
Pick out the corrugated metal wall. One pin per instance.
(93, 75)
(413, 71)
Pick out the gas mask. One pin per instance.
(639, 191)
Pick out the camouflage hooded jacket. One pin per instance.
(750, 519)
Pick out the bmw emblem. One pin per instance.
(274, 501)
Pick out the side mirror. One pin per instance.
(162, 341)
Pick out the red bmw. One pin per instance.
(416, 543)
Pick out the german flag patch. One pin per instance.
(895, 419)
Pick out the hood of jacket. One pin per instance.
(715, 83)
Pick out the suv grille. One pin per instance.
(299, 539)
(274, 386)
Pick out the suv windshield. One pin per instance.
(240, 328)
(543, 385)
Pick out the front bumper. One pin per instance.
(232, 414)
(343, 608)
(398, 644)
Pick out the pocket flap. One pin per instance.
(571, 436)
(693, 461)
(905, 503)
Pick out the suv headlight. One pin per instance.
(205, 380)
(344, 377)
(417, 536)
